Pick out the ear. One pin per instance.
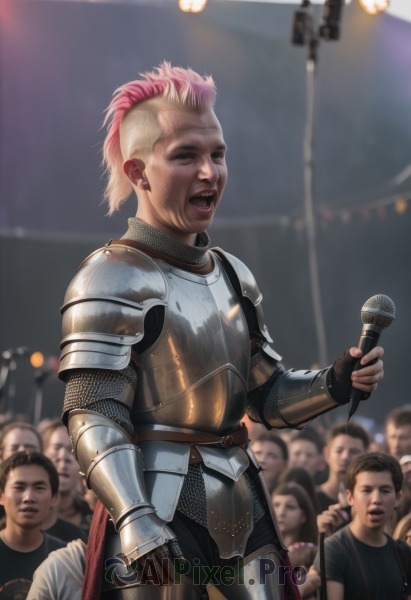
(134, 169)
(350, 497)
(397, 501)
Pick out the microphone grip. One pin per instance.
(368, 340)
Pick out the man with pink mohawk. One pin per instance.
(164, 349)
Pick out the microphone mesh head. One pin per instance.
(379, 311)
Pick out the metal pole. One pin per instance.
(309, 209)
(38, 403)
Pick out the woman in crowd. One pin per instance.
(57, 447)
(303, 478)
(297, 523)
(403, 530)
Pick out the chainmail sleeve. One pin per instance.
(102, 391)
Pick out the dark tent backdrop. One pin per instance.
(59, 64)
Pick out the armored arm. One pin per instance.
(103, 317)
(113, 468)
(276, 399)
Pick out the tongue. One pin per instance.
(199, 201)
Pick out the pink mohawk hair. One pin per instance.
(175, 84)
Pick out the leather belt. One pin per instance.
(237, 437)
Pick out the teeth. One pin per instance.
(204, 195)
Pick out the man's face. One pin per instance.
(341, 452)
(271, 460)
(185, 170)
(59, 452)
(373, 498)
(304, 453)
(17, 440)
(27, 496)
(398, 439)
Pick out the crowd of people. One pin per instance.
(342, 487)
(354, 492)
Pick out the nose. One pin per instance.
(29, 495)
(375, 497)
(208, 171)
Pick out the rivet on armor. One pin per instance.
(107, 252)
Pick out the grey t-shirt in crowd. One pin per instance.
(380, 564)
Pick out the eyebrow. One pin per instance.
(193, 147)
(33, 483)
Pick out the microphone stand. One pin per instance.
(303, 34)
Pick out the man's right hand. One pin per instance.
(332, 519)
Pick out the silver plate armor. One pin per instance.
(194, 378)
(297, 397)
(104, 308)
(113, 469)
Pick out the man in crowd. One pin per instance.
(18, 436)
(272, 454)
(306, 450)
(28, 488)
(345, 442)
(404, 506)
(361, 561)
(398, 432)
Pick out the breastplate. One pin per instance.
(195, 375)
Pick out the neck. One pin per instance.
(372, 537)
(20, 539)
(65, 504)
(181, 236)
(51, 519)
(332, 486)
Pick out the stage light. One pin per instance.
(373, 7)
(37, 360)
(193, 6)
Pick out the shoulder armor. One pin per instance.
(105, 306)
(249, 287)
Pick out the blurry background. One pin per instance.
(59, 64)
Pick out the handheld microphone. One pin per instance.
(377, 314)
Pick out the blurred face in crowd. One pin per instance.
(408, 537)
(17, 440)
(406, 471)
(374, 498)
(289, 514)
(341, 452)
(27, 496)
(59, 452)
(398, 439)
(271, 460)
(304, 453)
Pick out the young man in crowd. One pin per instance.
(346, 441)
(361, 561)
(306, 450)
(272, 454)
(398, 432)
(28, 488)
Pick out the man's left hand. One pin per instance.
(366, 379)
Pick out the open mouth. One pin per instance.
(203, 201)
(375, 513)
(28, 511)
